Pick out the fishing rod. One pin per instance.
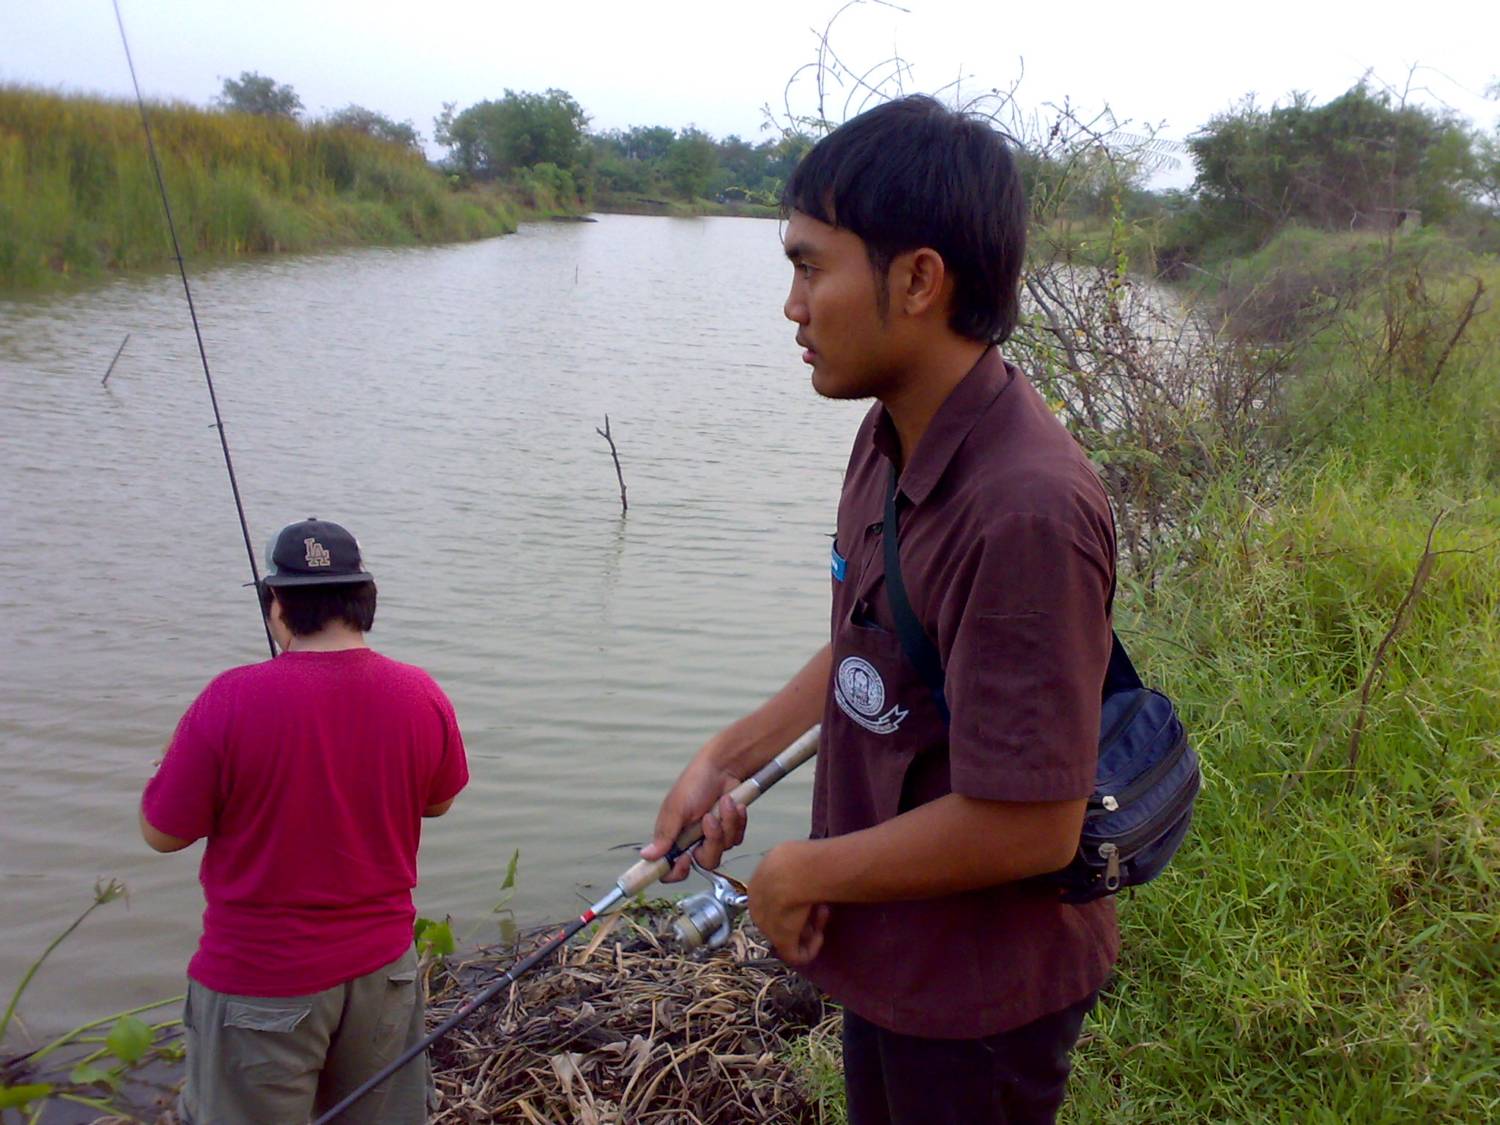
(161, 184)
(632, 882)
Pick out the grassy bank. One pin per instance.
(1325, 948)
(624, 203)
(78, 197)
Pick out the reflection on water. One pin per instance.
(442, 402)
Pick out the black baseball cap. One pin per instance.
(313, 552)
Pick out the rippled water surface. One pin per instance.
(442, 402)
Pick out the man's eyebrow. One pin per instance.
(798, 250)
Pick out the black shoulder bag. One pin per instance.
(1147, 777)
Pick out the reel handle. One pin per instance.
(648, 871)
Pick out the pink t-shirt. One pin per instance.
(308, 774)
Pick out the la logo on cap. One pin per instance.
(317, 554)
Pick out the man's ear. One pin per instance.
(920, 281)
(280, 633)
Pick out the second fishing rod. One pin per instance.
(187, 290)
(697, 927)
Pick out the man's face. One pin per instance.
(837, 305)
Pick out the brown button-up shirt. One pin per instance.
(1007, 551)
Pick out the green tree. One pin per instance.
(521, 130)
(617, 173)
(783, 154)
(372, 124)
(257, 94)
(1487, 169)
(649, 144)
(693, 164)
(690, 163)
(1328, 165)
(630, 160)
(742, 166)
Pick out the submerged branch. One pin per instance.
(118, 352)
(613, 452)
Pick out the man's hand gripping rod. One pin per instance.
(632, 882)
(648, 871)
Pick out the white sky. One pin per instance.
(713, 64)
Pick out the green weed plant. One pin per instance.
(97, 1076)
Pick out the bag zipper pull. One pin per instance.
(1110, 853)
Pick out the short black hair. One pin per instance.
(307, 609)
(912, 173)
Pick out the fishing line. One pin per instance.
(187, 289)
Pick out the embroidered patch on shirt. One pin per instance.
(860, 693)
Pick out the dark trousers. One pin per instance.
(1013, 1078)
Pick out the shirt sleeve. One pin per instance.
(1026, 666)
(452, 772)
(181, 800)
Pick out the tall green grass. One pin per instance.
(1325, 948)
(1327, 945)
(77, 194)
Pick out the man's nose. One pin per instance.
(795, 308)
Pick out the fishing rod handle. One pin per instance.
(648, 871)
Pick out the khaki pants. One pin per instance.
(256, 1060)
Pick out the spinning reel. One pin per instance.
(707, 917)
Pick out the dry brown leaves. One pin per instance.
(627, 1028)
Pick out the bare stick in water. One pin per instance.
(613, 452)
(116, 360)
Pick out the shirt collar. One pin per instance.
(950, 425)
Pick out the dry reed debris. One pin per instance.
(625, 1029)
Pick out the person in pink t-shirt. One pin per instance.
(309, 776)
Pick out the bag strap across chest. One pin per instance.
(923, 654)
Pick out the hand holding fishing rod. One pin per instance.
(634, 880)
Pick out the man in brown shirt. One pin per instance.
(964, 980)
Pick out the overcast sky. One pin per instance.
(714, 64)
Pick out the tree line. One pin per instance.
(1366, 157)
(545, 136)
(523, 131)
